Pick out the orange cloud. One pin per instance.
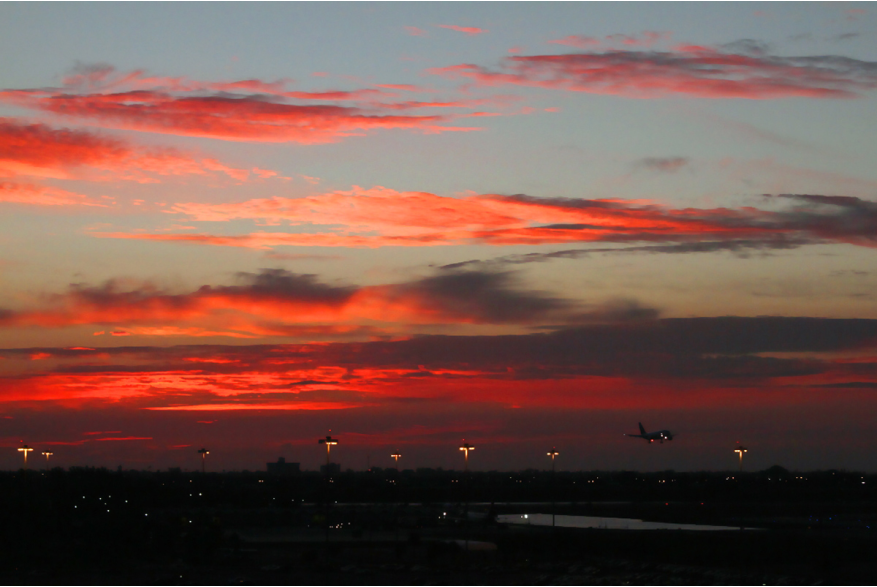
(220, 407)
(35, 195)
(279, 303)
(463, 29)
(37, 150)
(380, 217)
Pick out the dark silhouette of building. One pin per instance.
(281, 467)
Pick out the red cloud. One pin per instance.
(36, 150)
(219, 110)
(381, 217)
(279, 303)
(463, 29)
(656, 363)
(692, 71)
(262, 405)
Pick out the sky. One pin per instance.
(523, 225)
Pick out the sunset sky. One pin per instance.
(525, 225)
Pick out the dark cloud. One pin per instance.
(748, 47)
(801, 37)
(845, 37)
(849, 385)
(619, 310)
(725, 348)
(666, 164)
(270, 303)
(279, 283)
(740, 247)
(268, 283)
(574, 203)
(841, 218)
(490, 296)
(743, 69)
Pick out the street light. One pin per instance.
(25, 449)
(329, 442)
(203, 452)
(466, 447)
(396, 456)
(47, 454)
(740, 450)
(553, 453)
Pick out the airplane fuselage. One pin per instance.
(660, 435)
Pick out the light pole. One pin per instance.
(47, 455)
(25, 449)
(396, 456)
(553, 453)
(203, 452)
(466, 447)
(329, 442)
(740, 450)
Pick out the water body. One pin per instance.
(605, 523)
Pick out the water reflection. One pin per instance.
(605, 523)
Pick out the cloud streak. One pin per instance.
(586, 366)
(38, 150)
(275, 302)
(469, 30)
(380, 217)
(741, 248)
(245, 110)
(686, 70)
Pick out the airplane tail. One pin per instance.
(641, 429)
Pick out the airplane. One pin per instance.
(660, 435)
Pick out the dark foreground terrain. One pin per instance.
(433, 527)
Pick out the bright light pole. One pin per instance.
(740, 450)
(396, 456)
(47, 455)
(203, 452)
(466, 447)
(25, 449)
(553, 453)
(329, 442)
